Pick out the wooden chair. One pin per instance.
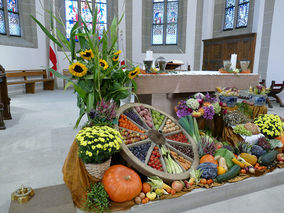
(275, 89)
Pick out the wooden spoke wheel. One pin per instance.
(145, 131)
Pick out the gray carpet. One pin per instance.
(52, 199)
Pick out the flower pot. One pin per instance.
(98, 170)
(229, 100)
(258, 100)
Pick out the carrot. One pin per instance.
(173, 191)
(243, 171)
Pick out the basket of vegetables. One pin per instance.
(155, 144)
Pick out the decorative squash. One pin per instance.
(208, 158)
(252, 159)
(221, 170)
(281, 138)
(121, 183)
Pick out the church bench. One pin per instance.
(27, 77)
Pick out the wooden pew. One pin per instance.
(274, 90)
(24, 77)
(4, 99)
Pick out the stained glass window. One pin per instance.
(243, 11)
(2, 19)
(102, 16)
(72, 13)
(241, 15)
(13, 18)
(229, 14)
(165, 22)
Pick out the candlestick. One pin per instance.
(233, 61)
(149, 55)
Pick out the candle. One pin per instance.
(149, 55)
(233, 61)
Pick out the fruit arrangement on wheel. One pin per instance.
(167, 158)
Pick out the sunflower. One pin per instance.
(116, 55)
(87, 54)
(103, 64)
(132, 74)
(78, 69)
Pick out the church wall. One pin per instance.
(187, 56)
(275, 70)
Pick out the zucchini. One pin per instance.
(233, 172)
(267, 158)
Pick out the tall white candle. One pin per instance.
(149, 55)
(233, 61)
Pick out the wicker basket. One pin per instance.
(98, 170)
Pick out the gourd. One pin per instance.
(252, 159)
(233, 172)
(268, 158)
(227, 154)
(222, 163)
(221, 170)
(121, 183)
(208, 158)
(209, 170)
(235, 161)
(281, 138)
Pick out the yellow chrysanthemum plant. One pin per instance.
(270, 125)
(97, 73)
(97, 144)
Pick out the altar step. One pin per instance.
(204, 197)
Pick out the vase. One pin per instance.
(258, 100)
(97, 170)
(230, 101)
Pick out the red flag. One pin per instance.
(52, 58)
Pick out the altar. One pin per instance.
(165, 90)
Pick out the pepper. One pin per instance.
(151, 195)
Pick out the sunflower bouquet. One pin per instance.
(94, 63)
(97, 144)
(270, 125)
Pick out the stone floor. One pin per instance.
(36, 141)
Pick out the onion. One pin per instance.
(177, 185)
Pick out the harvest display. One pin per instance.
(172, 152)
(167, 158)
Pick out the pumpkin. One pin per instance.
(208, 158)
(121, 183)
(281, 138)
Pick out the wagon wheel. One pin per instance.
(144, 135)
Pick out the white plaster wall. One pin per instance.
(257, 28)
(26, 58)
(275, 70)
(187, 57)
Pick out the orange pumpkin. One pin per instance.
(208, 158)
(281, 138)
(121, 183)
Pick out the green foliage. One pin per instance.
(97, 198)
(244, 108)
(111, 82)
